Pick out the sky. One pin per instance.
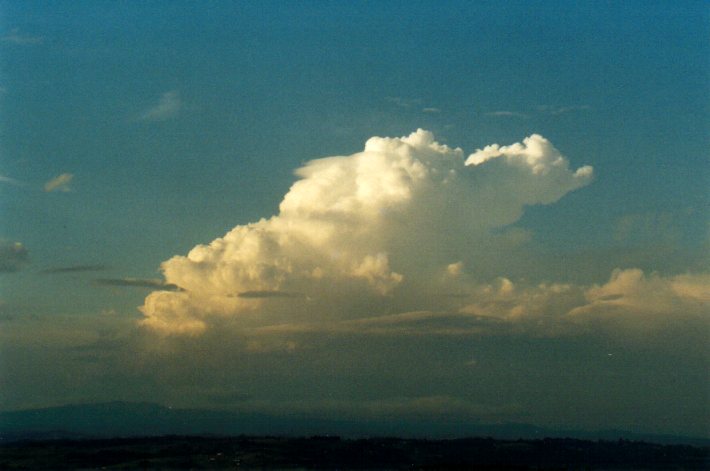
(488, 210)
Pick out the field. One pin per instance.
(324, 452)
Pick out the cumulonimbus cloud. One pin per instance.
(360, 231)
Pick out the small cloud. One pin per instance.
(454, 269)
(507, 114)
(431, 110)
(542, 109)
(168, 107)
(15, 37)
(138, 283)
(13, 255)
(73, 269)
(558, 110)
(59, 183)
(10, 181)
(403, 102)
(269, 294)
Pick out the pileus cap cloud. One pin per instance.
(400, 213)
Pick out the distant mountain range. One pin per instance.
(124, 419)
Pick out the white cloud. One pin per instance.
(363, 234)
(168, 107)
(508, 301)
(631, 303)
(535, 154)
(631, 297)
(59, 183)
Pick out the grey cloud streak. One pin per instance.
(137, 283)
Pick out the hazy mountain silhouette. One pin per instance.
(123, 419)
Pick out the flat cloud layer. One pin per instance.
(405, 217)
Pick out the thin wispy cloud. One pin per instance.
(540, 110)
(15, 37)
(59, 183)
(403, 102)
(412, 104)
(557, 110)
(10, 181)
(137, 283)
(507, 114)
(168, 107)
(73, 269)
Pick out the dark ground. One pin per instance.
(186, 452)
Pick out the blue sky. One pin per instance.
(174, 122)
